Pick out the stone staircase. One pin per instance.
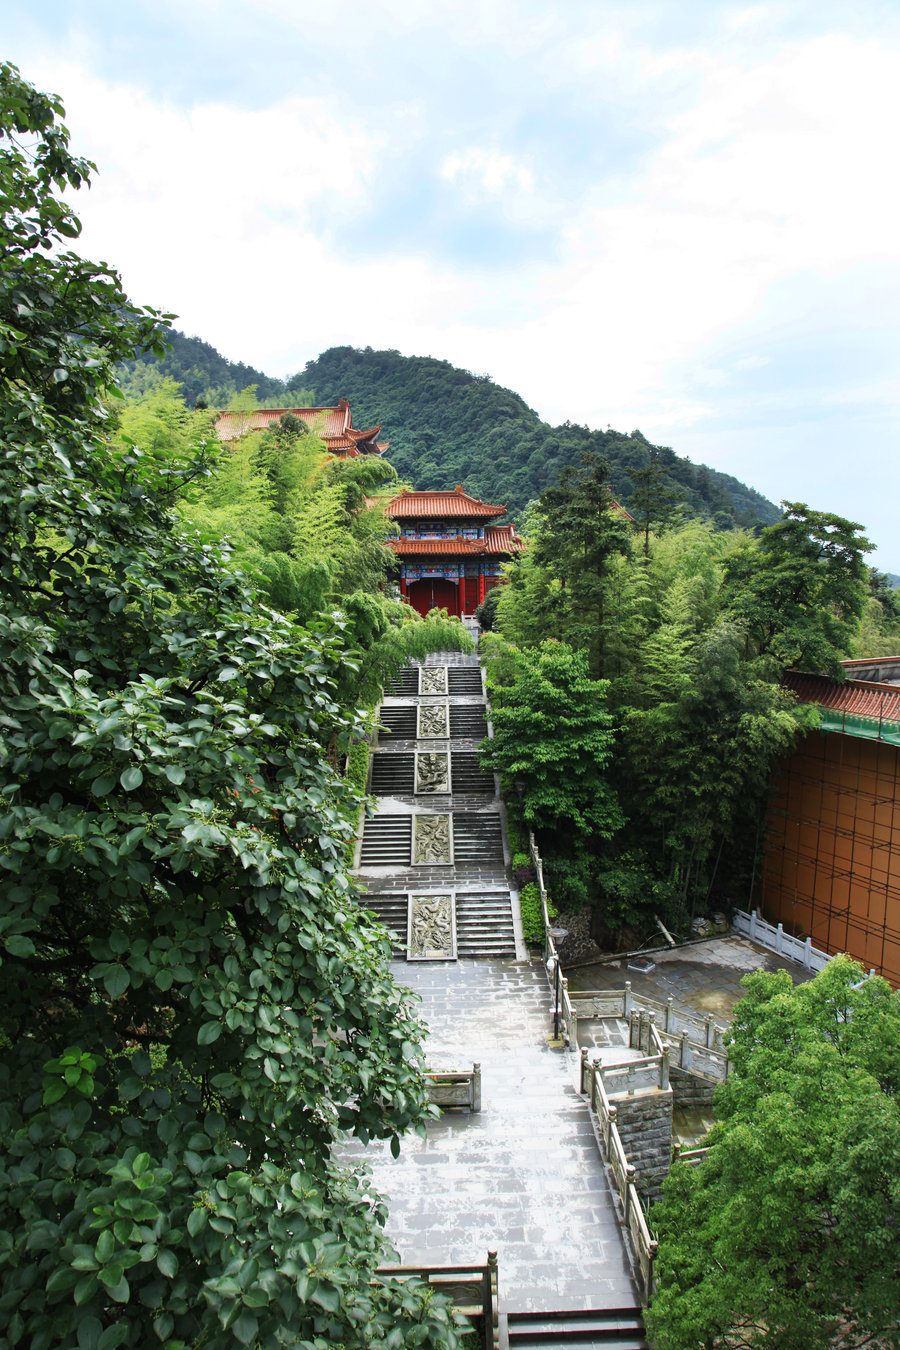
(603, 1328)
(438, 828)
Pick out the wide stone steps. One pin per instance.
(464, 680)
(399, 722)
(467, 722)
(484, 926)
(461, 680)
(387, 840)
(477, 837)
(603, 1328)
(394, 774)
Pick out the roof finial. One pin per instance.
(460, 489)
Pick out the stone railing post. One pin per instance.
(710, 1031)
(626, 1010)
(629, 1182)
(664, 1070)
(670, 1007)
(684, 1061)
(476, 1087)
(584, 1068)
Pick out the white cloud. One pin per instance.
(487, 169)
(765, 184)
(751, 362)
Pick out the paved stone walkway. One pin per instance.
(524, 1176)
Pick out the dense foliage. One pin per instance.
(448, 426)
(308, 529)
(690, 639)
(788, 1234)
(192, 1005)
(204, 374)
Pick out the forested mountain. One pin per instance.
(448, 426)
(204, 374)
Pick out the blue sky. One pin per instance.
(679, 218)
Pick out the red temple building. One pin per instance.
(449, 553)
(333, 426)
(831, 863)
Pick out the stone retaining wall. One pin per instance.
(644, 1123)
(689, 1092)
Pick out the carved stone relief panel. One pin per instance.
(432, 928)
(432, 679)
(433, 720)
(433, 772)
(432, 840)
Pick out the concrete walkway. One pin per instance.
(523, 1177)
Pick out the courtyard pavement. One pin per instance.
(524, 1176)
(703, 977)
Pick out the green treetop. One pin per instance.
(787, 1236)
(192, 1004)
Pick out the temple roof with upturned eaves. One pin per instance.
(500, 539)
(447, 505)
(333, 426)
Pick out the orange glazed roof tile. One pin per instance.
(501, 540)
(856, 697)
(413, 505)
(414, 548)
(332, 425)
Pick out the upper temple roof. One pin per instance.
(334, 426)
(415, 505)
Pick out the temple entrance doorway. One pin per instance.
(433, 593)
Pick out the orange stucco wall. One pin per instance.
(831, 864)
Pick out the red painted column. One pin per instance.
(403, 586)
(481, 584)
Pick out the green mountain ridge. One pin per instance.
(448, 426)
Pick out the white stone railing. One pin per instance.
(594, 1078)
(472, 1289)
(455, 1089)
(777, 940)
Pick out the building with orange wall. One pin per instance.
(334, 427)
(831, 863)
(450, 550)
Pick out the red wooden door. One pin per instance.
(434, 593)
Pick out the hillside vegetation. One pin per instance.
(448, 426)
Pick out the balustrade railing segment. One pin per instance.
(777, 940)
(472, 1289)
(455, 1089)
(596, 1080)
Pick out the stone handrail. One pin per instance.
(643, 1245)
(455, 1089)
(691, 1157)
(472, 1289)
(695, 1045)
(777, 940)
(567, 1011)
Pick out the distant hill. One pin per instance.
(204, 373)
(448, 426)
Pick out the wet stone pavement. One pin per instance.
(702, 977)
(524, 1176)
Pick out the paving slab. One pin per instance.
(524, 1176)
(702, 977)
